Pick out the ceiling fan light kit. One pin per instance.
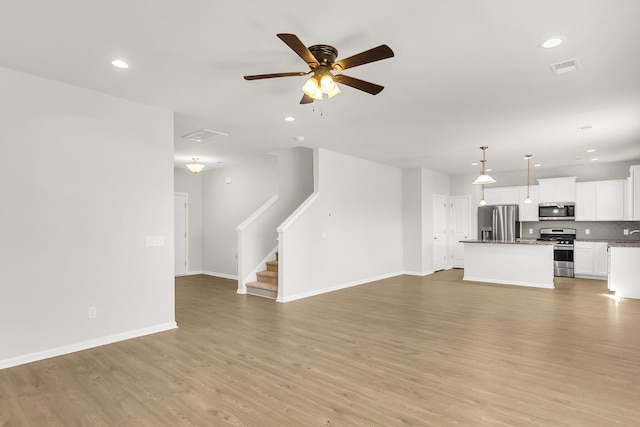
(321, 60)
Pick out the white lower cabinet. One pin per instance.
(590, 260)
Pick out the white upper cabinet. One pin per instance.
(585, 201)
(557, 190)
(529, 211)
(634, 183)
(600, 200)
(515, 196)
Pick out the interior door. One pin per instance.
(460, 206)
(439, 233)
(180, 206)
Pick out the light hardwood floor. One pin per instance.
(421, 351)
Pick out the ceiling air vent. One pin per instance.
(202, 135)
(565, 66)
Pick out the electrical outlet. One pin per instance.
(625, 232)
(93, 312)
(531, 231)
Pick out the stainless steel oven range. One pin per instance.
(562, 249)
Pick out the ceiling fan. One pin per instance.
(321, 59)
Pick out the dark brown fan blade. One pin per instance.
(376, 54)
(274, 75)
(306, 99)
(298, 47)
(371, 88)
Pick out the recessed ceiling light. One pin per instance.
(594, 160)
(289, 119)
(119, 63)
(591, 151)
(537, 165)
(474, 164)
(551, 43)
(489, 170)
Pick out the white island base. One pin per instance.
(624, 271)
(509, 263)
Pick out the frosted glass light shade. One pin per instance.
(528, 200)
(195, 167)
(310, 87)
(484, 179)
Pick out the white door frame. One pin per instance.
(454, 239)
(186, 231)
(445, 264)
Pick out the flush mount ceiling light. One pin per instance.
(484, 178)
(551, 43)
(195, 167)
(528, 198)
(119, 63)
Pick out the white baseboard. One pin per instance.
(195, 272)
(97, 342)
(222, 275)
(418, 273)
(335, 288)
(507, 282)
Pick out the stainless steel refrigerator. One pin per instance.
(498, 222)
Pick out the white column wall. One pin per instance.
(351, 234)
(86, 179)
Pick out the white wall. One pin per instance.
(225, 206)
(187, 182)
(86, 178)
(412, 219)
(351, 234)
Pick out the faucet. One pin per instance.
(634, 232)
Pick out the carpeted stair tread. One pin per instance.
(272, 266)
(267, 273)
(263, 285)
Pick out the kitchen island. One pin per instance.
(624, 269)
(521, 262)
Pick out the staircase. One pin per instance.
(267, 284)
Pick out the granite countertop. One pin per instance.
(629, 243)
(510, 242)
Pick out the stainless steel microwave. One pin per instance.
(557, 211)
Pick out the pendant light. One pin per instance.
(528, 198)
(482, 200)
(195, 167)
(484, 178)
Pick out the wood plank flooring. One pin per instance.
(405, 351)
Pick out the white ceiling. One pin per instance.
(466, 73)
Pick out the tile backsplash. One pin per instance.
(610, 230)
